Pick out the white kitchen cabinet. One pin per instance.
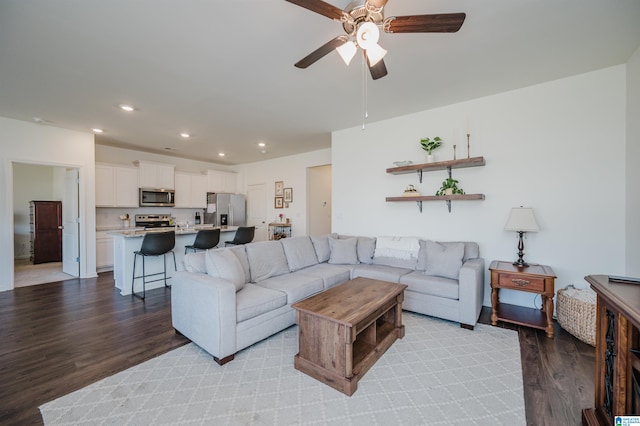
(191, 190)
(116, 186)
(156, 175)
(218, 181)
(104, 251)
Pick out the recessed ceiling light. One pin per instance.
(262, 144)
(221, 154)
(127, 108)
(185, 135)
(263, 151)
(96, 130)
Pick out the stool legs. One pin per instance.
(144, 273)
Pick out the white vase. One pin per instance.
(431, 158)
(448, 191)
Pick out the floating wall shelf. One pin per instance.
(440, 165)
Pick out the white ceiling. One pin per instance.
(223, 70)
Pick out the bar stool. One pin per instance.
(244, 235)
(154, 244)
(205, 239)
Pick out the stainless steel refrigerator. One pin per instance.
(226, 209)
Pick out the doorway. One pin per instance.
(319, 200)
(53, 183)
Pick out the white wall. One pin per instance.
(292, 171)
(558, 147)
(30, 182)
(632, 166)
(24, 142)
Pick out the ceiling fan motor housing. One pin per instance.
(357, 12)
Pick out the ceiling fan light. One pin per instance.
(367, 35)
(375, 54)
(347, 51)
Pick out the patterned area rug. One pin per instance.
(438, 374)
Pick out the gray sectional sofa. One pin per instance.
(227, 299)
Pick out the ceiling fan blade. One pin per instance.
(320, 7)
(439, 23)
(379, 70)
(321, 52)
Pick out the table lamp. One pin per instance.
(521, 220)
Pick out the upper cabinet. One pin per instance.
(116, 186)
(218, 181)
(156, 175)
(191, 190)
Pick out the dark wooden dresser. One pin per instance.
(45, 219)
(617, 384)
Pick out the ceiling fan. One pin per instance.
(362, 20)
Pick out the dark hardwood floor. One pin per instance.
(60, 337)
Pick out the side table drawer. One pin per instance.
(520, 282)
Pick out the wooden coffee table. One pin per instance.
(346, 329)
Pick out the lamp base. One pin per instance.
(520, 263)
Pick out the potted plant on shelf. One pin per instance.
(449, 187)
(429, 145)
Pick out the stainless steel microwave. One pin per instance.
(152, 197)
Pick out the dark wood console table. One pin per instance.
(617, 384)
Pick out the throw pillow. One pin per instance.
(321, 245)
(222, 263)
(343, 252)
(300, 252)
(366, 247)
(195, 262)
(444, 261)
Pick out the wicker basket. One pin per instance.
(576, 313)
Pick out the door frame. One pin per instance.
(10, 207)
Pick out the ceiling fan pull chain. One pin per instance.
(365, 113)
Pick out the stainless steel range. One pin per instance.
(153, 220)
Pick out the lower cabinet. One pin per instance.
(104, 251)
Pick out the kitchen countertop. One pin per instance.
(139, 232)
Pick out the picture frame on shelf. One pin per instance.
(288, 195)
(278, 202)
(279, 188)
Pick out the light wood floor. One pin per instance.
(60, 337)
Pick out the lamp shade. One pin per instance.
(521, 219)
(347, 51)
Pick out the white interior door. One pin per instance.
(319, 200)
(257, 210)
(70, 224)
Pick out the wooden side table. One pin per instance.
(538, 279)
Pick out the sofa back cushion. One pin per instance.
(343, 251)
(195, 262)
(471, 251)
(266, 259)
(444, 260)
(299, 252)
(222, 263)
(241, 254)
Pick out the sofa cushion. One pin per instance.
(224, 264)
(444, 260)
(299, 252)
(471, 251)
(195, 262)
(365, 247)
(418, 282)
(296, 285)
(255, 300)
(331, 275)
(241, 254)
(380, 272)
(266, 259)
(321, 246)
(343, 251)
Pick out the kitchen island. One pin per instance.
(125, 243)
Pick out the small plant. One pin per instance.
(429, 145)
(450, 184)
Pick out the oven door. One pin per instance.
(150, 197)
